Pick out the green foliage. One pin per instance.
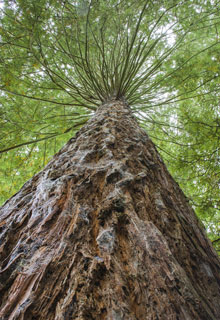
(60, 59)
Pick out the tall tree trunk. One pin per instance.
(104, 232)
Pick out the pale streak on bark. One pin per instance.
(104, 232)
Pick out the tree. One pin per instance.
(103, 231)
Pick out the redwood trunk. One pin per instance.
(104, 232)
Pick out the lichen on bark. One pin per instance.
(104, 232)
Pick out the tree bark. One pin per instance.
(104, 232)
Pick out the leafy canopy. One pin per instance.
(60, 60)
